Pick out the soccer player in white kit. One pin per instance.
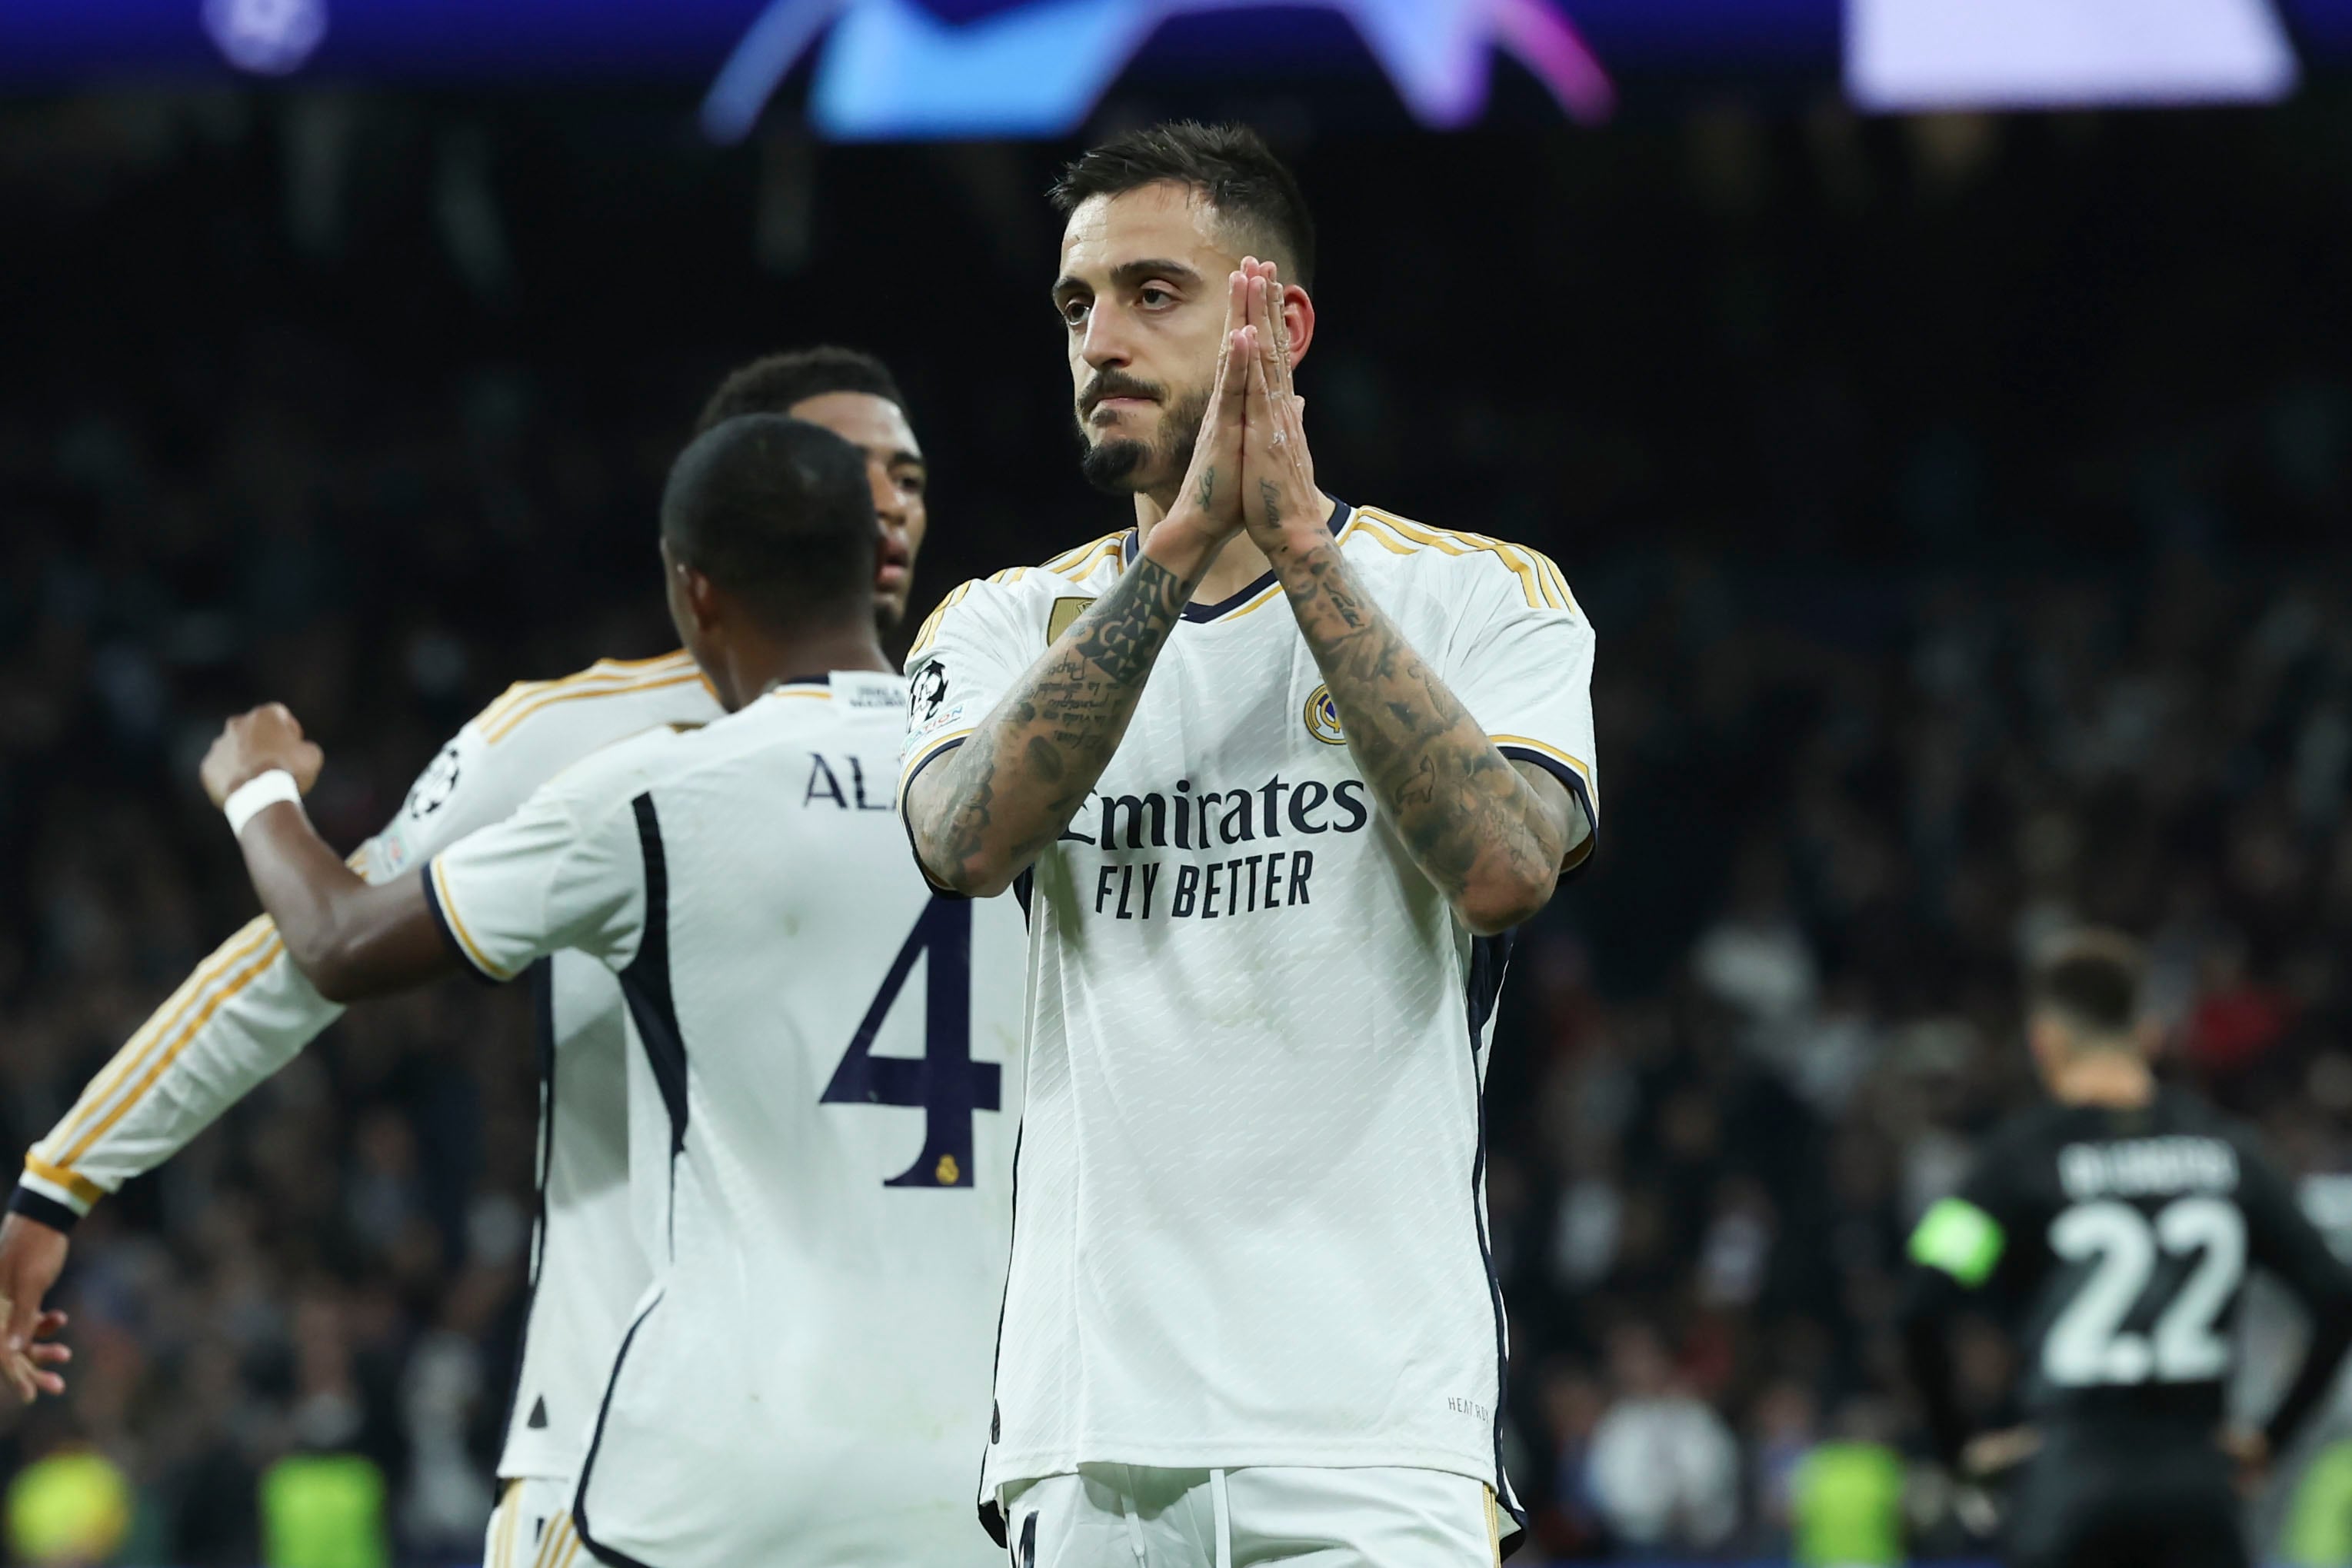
(247, 1010)
(1284, 772)
(819, 1163)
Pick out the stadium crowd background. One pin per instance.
(1961, 503)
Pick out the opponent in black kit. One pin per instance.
(2112, 1229)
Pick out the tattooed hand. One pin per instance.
(1281, 507)
(1209, 507)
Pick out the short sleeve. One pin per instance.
(1525, 672)
(543, 881)
(535, 731)
(971, 651)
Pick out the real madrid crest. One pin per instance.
(1323, 718)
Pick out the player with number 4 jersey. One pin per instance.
(246, 1009)
(2115, 1228)
(821, 1053)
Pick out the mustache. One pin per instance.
(1116, 383)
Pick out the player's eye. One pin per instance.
(1074, 312)
(912, 483)
(1152, 297)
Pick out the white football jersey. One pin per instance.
(586, 1268)
(247, 1010)
(1252, 1175)
(823, 1068)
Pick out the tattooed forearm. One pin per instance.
(1490, 837)
(1010, 790)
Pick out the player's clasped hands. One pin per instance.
(1278, 491)
(1251, 468)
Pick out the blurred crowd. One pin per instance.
(1704, 1189)
(1940, 608)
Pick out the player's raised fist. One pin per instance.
(255, 742)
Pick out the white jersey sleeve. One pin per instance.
(565, 871)
(971, 651)
(246, 1010)
(1521, 661)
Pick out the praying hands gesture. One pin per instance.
(1282, 509)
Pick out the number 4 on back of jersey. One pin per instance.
(944, 1081)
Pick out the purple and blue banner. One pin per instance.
(897, 69)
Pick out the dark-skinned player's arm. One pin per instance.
(350, 938)
(1491, 832)
(982, 814)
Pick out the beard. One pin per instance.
(1122, 466)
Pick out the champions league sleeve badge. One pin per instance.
(435, 785)
(927, 700)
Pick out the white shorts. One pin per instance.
(531, 1527)
(1108, 1516)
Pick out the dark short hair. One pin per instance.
(779, 513)
(2093, 979)
(1230, 165)
(776, 383)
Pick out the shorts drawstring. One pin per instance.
(1134, 1523)
(1221, 1514)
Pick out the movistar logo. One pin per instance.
(895, 68)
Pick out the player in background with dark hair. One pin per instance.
(804, 1382)
(1283, 774)
(247, 1010)
(2114, 1228)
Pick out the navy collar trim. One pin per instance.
(1340, 514)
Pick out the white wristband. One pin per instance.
(249, 799)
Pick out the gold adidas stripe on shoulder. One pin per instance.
(604, 672)
(1076, 563)
(1072, 564)
(1539, 580)
(929, 632)
(606, 677)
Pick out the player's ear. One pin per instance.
(693, 597)
(701, 596)
(1297, 320)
